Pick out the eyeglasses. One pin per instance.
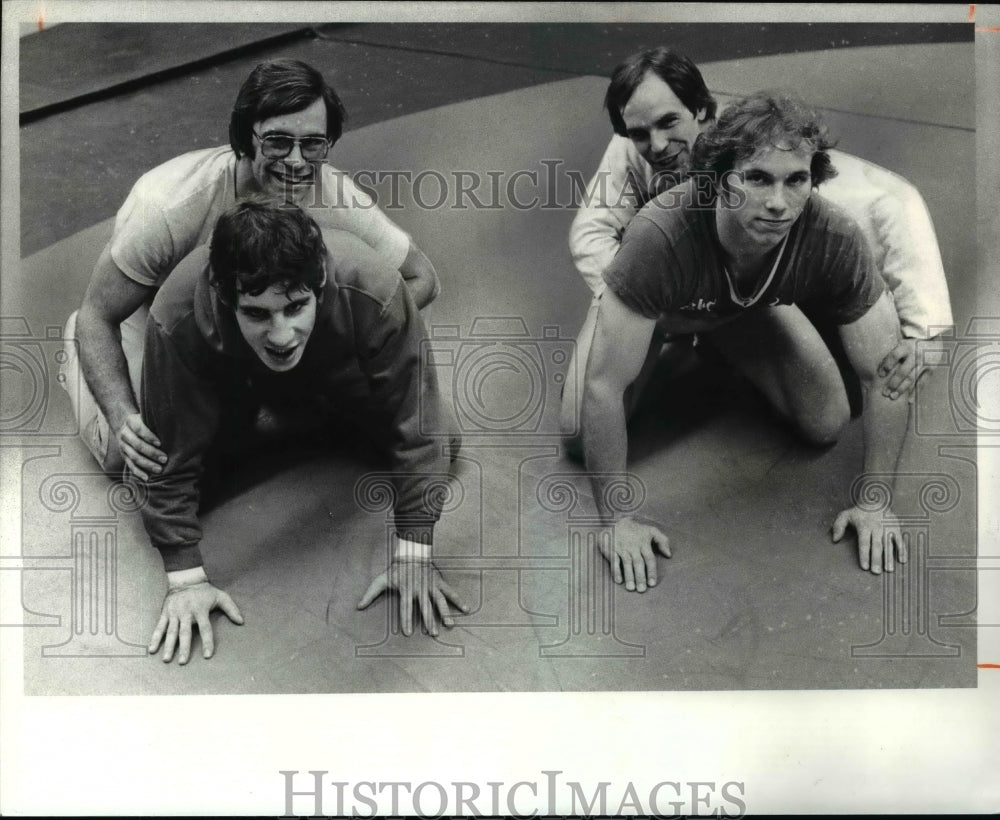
(279, 146)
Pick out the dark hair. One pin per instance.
(758, 120)
(258, 243)
(676, 70)
(281, 87)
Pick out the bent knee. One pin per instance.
(102, 444)
(823, 429)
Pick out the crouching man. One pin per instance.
(736, 254)
(276, 313)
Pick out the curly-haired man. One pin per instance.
(736, 254)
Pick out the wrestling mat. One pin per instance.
(756, 595)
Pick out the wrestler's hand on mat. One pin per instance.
(140, 447)
(879, 537)
(899, 368)
(628, 547)
(190, 598)
(417, 582)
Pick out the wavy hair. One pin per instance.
(760, 120)
(258, 244)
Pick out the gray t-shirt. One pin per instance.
(671, 266)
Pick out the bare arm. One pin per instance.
(621, 340)
(111, 298)
(420, 277)
(866, 342)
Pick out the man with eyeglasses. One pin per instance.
(283, 124)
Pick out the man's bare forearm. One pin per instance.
(867, 341)
(885, 421)
(605, 443)
(105, 368)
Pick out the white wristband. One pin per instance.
(184, 578)
(411, 551)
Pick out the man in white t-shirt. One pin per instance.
(285, 119)
(659, 104)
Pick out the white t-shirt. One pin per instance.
(173, 209)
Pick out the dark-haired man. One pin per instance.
(658, 104)
(285, 119)
(736, 254)
(275, 309)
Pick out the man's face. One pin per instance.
(290, 177)
(660, 126)
(768, 192)
(277, 324)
